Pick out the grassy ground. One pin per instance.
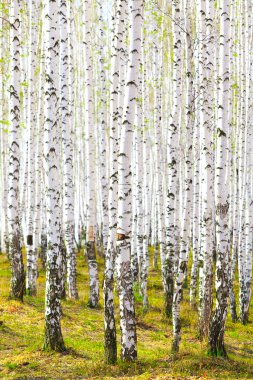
(21, 339)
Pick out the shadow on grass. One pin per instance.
(75, 354)
(195, 365)
(242, 351)
(37, 303)
(8, 331)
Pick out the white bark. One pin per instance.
(173, 159)
(13, 209)
(90, 158)
(32, 255)
(127, 312)
(66, 77)
(52, 139)
(222, 198)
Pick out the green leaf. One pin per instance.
(5, 122)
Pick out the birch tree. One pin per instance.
(127, 312)
(172, 158)
(66, 72)
(13, 210)
(207, 169)
(109, 319)
(217, 329)
(31, 253)
(52, 139)
(90, 158)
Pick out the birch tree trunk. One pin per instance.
(217, 328)
(103, 125)
(245, 254)
(207, 161)
(185, 233)
(52, 139)
(109, 319)
(32, 259)
(125, 283)
(141, 255)
(90, 159)
(13, 211)
(66, 73)
(172, 159)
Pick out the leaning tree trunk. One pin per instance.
(52, 138)
(13, 210)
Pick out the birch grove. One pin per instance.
(126, 140)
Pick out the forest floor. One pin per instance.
(22, 326)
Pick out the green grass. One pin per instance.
(22, 326)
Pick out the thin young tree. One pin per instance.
(90, 157)
(173, 160)
(66, 77)
(32, 258)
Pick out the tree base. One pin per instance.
(17, 289)
(110, 350)
(175, 347)
(128, 356)
(92, 305)
(31, 292)
(218, 352)
(54, 341)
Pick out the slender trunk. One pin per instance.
(90, 159)
(32, 258)
(13, 211)
(125, 283)
(53, 334)
(173, 161)
(207, 171)
(217, 328)
(66, 73)
(109, 318)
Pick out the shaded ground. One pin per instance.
(21, 339)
